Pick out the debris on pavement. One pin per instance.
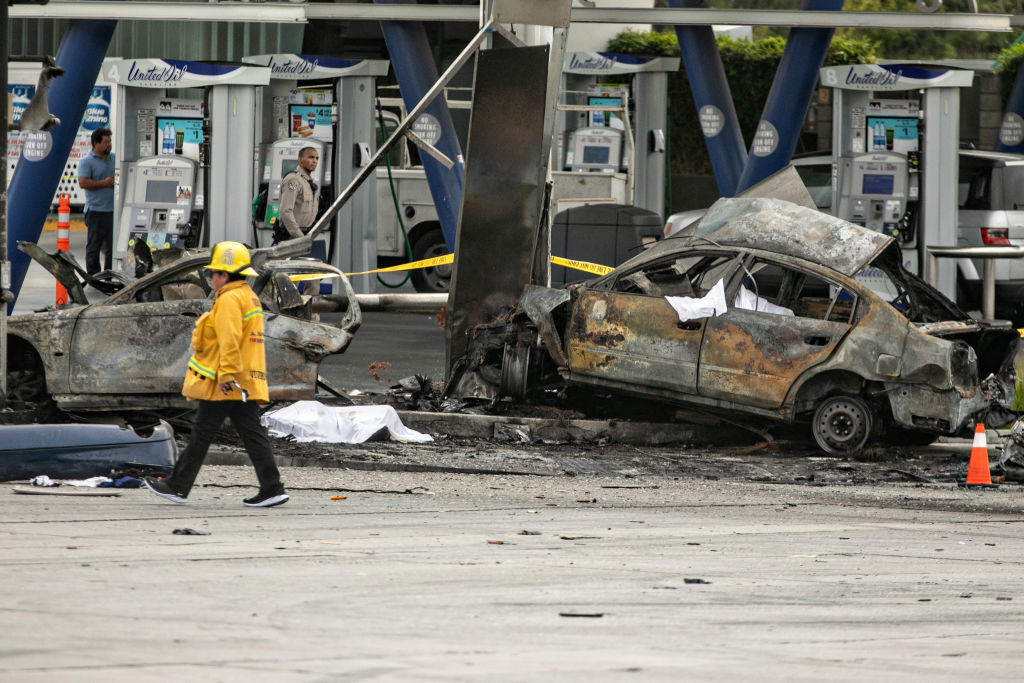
(64, 491)
(591, 615)
(1011, 460)
(83, 450)
(190, 532)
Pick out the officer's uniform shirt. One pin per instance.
(299, 202)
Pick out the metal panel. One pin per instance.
(538, 12)
(939, 205)
(229, 200)
(298, 13)
(502, 194)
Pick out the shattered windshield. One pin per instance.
(909, 294)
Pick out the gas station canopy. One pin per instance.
(286, 12)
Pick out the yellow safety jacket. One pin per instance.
(227, 346)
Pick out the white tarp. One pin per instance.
(713, 303)
(313, 421)
(749, 301)
(689, 308)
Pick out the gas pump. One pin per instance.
(610, 137)
(327, 103)
(177, 155)
(894, 160)
(282, 159)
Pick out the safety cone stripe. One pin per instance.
(979, 439)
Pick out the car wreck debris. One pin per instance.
(825, 327)
(67, 451)
(130, 351)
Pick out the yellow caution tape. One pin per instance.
(595, 268)
(425, 263)
(311, 276)
(586, 266)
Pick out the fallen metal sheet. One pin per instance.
(73, 451)
(785, 184)
(501, 199)
(65, 491)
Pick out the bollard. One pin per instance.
(63, 238)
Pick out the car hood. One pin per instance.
(779, 226)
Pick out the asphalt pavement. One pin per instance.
(442, 577)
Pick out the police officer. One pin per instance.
(227, 376)
(299, 198)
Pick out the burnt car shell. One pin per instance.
(850, 360)
(130, 351)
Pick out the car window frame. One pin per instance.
(748, 269)
(608, 282)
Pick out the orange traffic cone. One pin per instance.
(978, 472)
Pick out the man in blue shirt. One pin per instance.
(96, 177)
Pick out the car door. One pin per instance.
(791, 321)
(630, 336)
(139, 345)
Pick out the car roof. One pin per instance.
(781, 227)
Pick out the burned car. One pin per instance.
(130, 351)
(767, 308)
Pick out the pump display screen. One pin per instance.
(892, 134)
(162, 192)
(179, 136)
(288, 165)
(875, 183)
(596, 155)
(311, 120)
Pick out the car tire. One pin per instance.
(27, 398)
(842, 424)
(434, 280)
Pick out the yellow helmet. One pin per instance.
(231, 257)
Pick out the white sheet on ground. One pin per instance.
(689, 308)
(749, 301)
(313, 421)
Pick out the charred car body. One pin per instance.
(816, 320)
(130, 351)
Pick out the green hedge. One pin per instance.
(749, 67)
(1008, 63)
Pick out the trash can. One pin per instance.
(608, 234)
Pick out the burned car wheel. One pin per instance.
(842, 424)
(27, 398)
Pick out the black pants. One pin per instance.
(100, 235)
(246, 419)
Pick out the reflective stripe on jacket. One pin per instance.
(227, 346)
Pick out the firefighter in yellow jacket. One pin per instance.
(227, 375)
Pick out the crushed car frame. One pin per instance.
(130, 351)
(766, 308)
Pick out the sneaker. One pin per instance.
(267, 500)
(163, 490)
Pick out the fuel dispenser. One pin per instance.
(609, 142)
(323, 102)
(282, 159)
(894, 164)
(178, 156)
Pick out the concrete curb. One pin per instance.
(526, 429)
